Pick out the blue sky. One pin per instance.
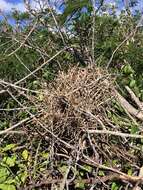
(13, 1)
(7, 5)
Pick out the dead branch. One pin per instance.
(115, 133)
(128, 107)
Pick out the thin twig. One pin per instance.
(126, 39)
(14, 126)
(32, 29)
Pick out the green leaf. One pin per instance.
(130, 172)
(10, 181)
(25, 154)
(81, 173)
(88, 168)
(132, 83)
(7, 187)
(127, 69)
(45, 155)
(9, 147)
(10, 161)
(73, 7)
(35, 84)
(23, 176)
(3, 174)
(115, 162)
(80, 185)
(114, 186)
(101, 173)
(48, 75)
(134, 129)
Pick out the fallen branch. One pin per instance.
(118, 174)
(115, 133)
(128, 107)
(134, 98)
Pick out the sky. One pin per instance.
(8, 5)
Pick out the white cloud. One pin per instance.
(6, 6)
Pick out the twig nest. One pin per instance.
(76, 100)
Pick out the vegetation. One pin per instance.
(71, 96)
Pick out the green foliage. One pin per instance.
(3, 174)
(18, 16)
(7, 187)
(101, 173)
(114, 186)
(73, 9)
(25, 154)
(7, 178)
(80, 185)
(44, 42)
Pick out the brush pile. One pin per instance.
(80, 136)
(74, 104)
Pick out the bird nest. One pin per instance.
(77, 101)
